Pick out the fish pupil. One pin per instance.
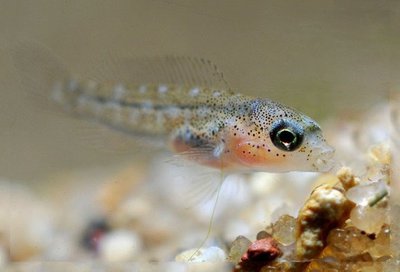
(286, 136)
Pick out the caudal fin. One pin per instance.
(41, 73)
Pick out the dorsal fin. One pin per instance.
(175, 70)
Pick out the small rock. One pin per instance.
(26, 221)
(382, 243)
(348, 242)
(94, 233)
(263, 234)
(119, 246)
(326, 207)
(259, 254)
(368, 219)
(283, 230)
(238, 248)
(367, 194)
(380, 153)
(347, 178)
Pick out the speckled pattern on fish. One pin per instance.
(213, 126)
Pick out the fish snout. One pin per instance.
(325, 161)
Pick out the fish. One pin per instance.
(186, 104)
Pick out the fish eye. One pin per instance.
(286, 135)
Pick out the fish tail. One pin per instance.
(42, 75)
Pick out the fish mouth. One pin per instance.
(324, 161)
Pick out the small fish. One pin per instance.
(187, 103)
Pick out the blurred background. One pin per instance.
(326, 58)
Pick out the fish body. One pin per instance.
(195, 118)
(217, 128)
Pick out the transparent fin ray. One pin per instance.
(174, 70)
(203, 189)
(189, 157)
(211, 221)
(39, 71)
(194, 183)
(113, 141)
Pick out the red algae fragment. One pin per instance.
(259, 254)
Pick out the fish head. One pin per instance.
(277, 138)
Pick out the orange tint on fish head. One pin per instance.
(253, 152)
